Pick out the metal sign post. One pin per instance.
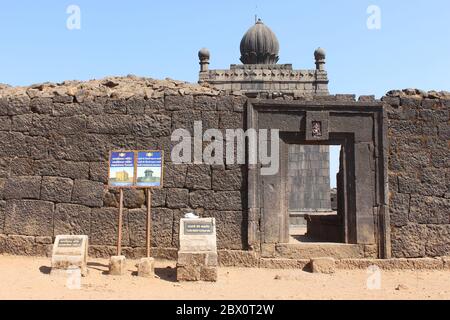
(119, 236)
(149, 221)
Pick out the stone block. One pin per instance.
(399, 209)
(174, 175)
(205, 103)
(29, 217)
(202, 199)
(188, 273)
(208, 274)
(229, 228)
(104, 227)
(177, 198)
(162, 227)
(175, 103)
(66, 169)
(19, 245)
(227, 180)
(56, 189)
(429, 210)
(323, 265)
(198, 177)
(228, 200)
(72, 219)
(133, 198)
(28, 187)
(146, 268)
(88, 193)
(98, 171)
(117, 265)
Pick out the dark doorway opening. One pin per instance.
(318, 188)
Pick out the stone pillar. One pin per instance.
(197, 257)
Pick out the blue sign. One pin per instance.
(121, 169)
(149, 169)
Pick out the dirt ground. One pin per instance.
(28, 278)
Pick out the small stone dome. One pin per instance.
(319, 54)
(203, 54)
(259, 45)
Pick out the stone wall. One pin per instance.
(55, 143)
(55, 140)
(419, 174)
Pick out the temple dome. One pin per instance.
(259, 45)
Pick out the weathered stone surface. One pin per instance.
(104, 227)
(208, 274)
(409, 241)
(188, 273)
(2, 215)
(158, 197)
(133, 198)
(177, 198)
(161, 233)
(228, 200)
(399, 209)
(438, 244)
(28, 187)
(429, 210)
(230, 225)
(72, 219)
(19, 245)
(98, 171)
(202, 199)
(236, 258)
(88, 193)
(323, 265)
(146, 268)
(174, 175)
(198, 177)
(56, 189)
(67, 169)
(283, 264)
(205, 103)
(117, 265)
(29, 217)
(223, 180)
(174, 103)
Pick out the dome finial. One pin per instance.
(259, 45)
(203, 56)
(319, 56)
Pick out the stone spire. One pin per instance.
(259, 45)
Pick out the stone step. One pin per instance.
(299, 251)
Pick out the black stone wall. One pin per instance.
(53, 172)
(419, 174)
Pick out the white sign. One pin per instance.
(69, 252)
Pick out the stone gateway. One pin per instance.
(393, 185)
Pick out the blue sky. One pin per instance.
(161, 39)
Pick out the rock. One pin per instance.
(146, 268)
(56, 189)
(89, 193)
(117, 265)
(401, 287)
(323, 265)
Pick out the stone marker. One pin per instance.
(69, 252)
(117, 265)
(146, 268)
(323, 265)
(197, 257)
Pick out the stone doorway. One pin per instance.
(363, 215)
